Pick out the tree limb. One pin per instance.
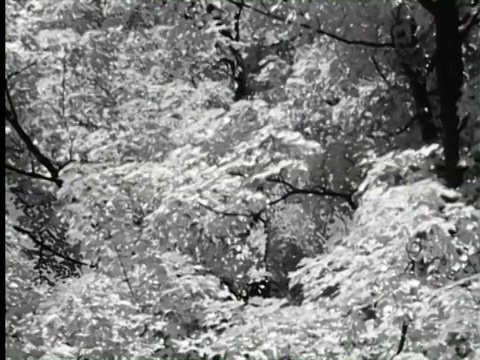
(292, 190)
(127, 280)
(317, 30)
(317, 190)
(29, 174)
(403, 336)
(42, 245)
(224, 213)
(18, 72)
(377, 67)
(12, 118)
(238, 15)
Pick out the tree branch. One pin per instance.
(238, 15)
(224, 213)
(12, 118)
(403, 337)
(405, 127)
(42, 245)
(316, 190)
(377, 67)
(29, 174)
(18, 72)
(257, 216)
(317, 30)
(127, 280)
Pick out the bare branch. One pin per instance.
(316, 30)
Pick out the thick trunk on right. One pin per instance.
(449, 68)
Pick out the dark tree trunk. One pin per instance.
(449, 78)
(449, 70)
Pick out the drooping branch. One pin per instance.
(316, 30)
(46, 247)
(12, 118)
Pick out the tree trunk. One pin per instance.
(449, 69)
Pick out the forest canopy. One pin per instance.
(242, 179)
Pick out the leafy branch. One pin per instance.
(315, 30)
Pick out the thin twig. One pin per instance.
(224, 213)
(377, 67)
(127, 280)
(18, 72)
(64, 118)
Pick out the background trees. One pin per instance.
(230, 177)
